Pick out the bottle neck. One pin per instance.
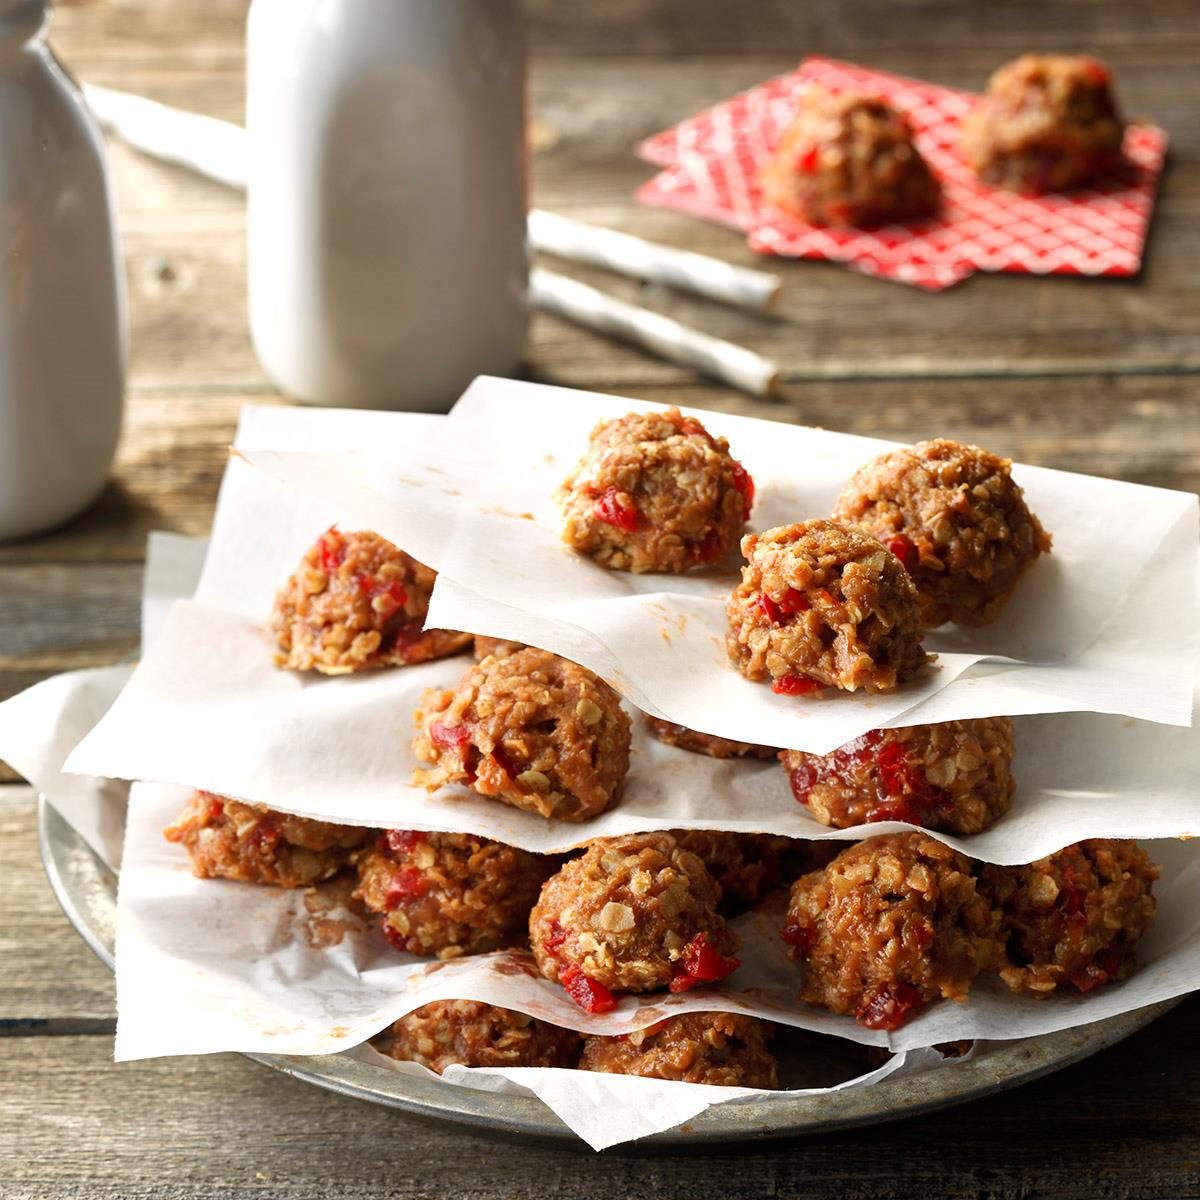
(23, 21)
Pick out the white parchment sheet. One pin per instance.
(208, 965)
(38, 729)
(1083, 632)
(207, 707)
(227, 721)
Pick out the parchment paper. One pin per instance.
(227, 721)
(207, 965)
(207, 707)
(480, 509)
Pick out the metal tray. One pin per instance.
(87, 891)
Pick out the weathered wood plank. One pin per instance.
(212, 33)
(680, 27)
(51, 981)
(45, 613)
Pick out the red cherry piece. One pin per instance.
(708, 548)
(554, 942)
(773, 612)
(332, 549)
(794, 601)
(395, 937)
(903, 548)
(900, 810)
(216, 808)
(407, 884)
(795, 685)
(904, 791)
(264, 830)
(692, 428)
(808, 159)
(408, 636)
(449, 737)
(613, 510)
(1070, 896)
(1096, 73)
(403, 841)
(1106, 966)
(591, 996)
(889, 1007)
(702, 964)
(801, 936)
(393, 590)
(789, 604)
(803, 779)
(744, 483)
(815, 769)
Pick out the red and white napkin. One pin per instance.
(712, 161)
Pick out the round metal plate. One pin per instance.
(87, 891)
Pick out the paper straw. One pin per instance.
(629, 255)
(211, 147)
(735, 365)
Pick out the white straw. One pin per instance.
(211, 147)
(629, 255)
(735, 365)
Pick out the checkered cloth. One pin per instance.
(712, 161)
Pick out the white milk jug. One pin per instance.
(62, 297)
(386, 197)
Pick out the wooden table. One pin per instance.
(1091, 376)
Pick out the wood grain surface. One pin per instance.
(1094, 376)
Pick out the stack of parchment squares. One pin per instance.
(626, 753)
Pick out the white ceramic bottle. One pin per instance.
(62, 297)
(386, 194)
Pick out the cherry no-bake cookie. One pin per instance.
(355, 603)
(849, 159)
(472, 1034)
(1046, 123)
(449, 894)
(954, 775)
(956, 520)
(1073, 919)
(655, 491)
(696, 742)
(631, 914)
(890, 924)
(226, 839)
(530, 729)
(823, 604)
(725, 1049)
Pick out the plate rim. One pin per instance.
(86, 890)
